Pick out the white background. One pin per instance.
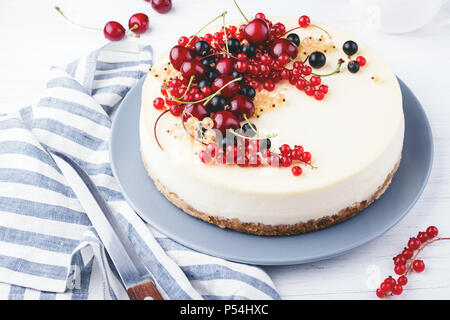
(34, 37)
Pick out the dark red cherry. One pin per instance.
(240, 105)
(283, 46)
(224, 120)
(114, 31)
(193, 68)
(162, 6)
(257, 31)
(224, 66)
(230, 90)
(196, 110)
(138, 23)
(180, 54)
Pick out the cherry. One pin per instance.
(162, 6)
(304, 21)
(257, 31)
(240, 105)
(193, 68)
(224, 66)
(180, 54)
(230, 90)
(138, 23)
(283, 46)
(224, 120)
(114, 31)
(196, 110)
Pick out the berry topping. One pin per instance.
(353, 66)
(283, 46)
(350, 47)
(228, 90)
(201, 48)
(193, 68)
(240, 105)
(179, 54)
(256, 31)
(224, 120)
(304, 21)
(317, 59)
(196, 110)
(294, 38)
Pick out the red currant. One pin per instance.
(422, 236)
(285, 150)
(176, 110)
(296, 171)
(304, 21)
(400, 269)
(418, 265)
(407, 253)
(205, 157)
(379, 293)
(158, 103)
(432, 232)
(286, 161)
(306, 156)
(274, 160)
(397, 289)
(318, 95)
(399, 259)
(414, 243)
(323, 88)
(254, 160)
(183, 41)
(386, 287)
(403, 280)
(269, 85)
(361, 61)
(315, 80)
(212, 149)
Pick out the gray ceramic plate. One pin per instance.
(383, 214)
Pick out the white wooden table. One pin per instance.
(35, 37)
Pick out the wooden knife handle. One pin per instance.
(143, 291)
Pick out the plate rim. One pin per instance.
(268, 261)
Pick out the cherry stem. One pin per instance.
(75, 23)
(130, 33)
(337, 70)
(250, 124)
(218, 17)
(154, 128)
(237, 6)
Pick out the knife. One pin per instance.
(134, 275)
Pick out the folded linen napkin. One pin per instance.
(48, 248)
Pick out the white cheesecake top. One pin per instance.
(346, 132)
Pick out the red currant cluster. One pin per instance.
(256, 153)
(406, 262)
(138, 23)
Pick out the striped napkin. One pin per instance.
(48, 248)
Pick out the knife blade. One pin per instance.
(133, 273)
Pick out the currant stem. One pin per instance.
(251, 125)
(218, 17)
(418, 251)
(75, 23)
(154, 128)
(337, 70)
(237, 6)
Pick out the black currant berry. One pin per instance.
(294, 38)
(248, 91)
(249, 50)
(228, 140)
(217, 103)
(248, 131)
(265, 144)
(201, 48)
(204, 83)
(208, 62)
(350, 47)
(212, 74)
(236, 75)
(317, 59)
(353, 66)
(233, 45)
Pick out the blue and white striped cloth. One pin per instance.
(48, 248)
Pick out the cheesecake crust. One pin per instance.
(274, 230)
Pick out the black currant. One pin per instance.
(249, 50)
(217, 103)
(228, 140)
(248, 91)
(265, 144)
(353, 66)
(201, 48)
(204, 83)
(294, 38)
(212, 74)
(317, 59)
(350, 47)
(233, 45)
(248, 131)
(236, 75)
(208, 62)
